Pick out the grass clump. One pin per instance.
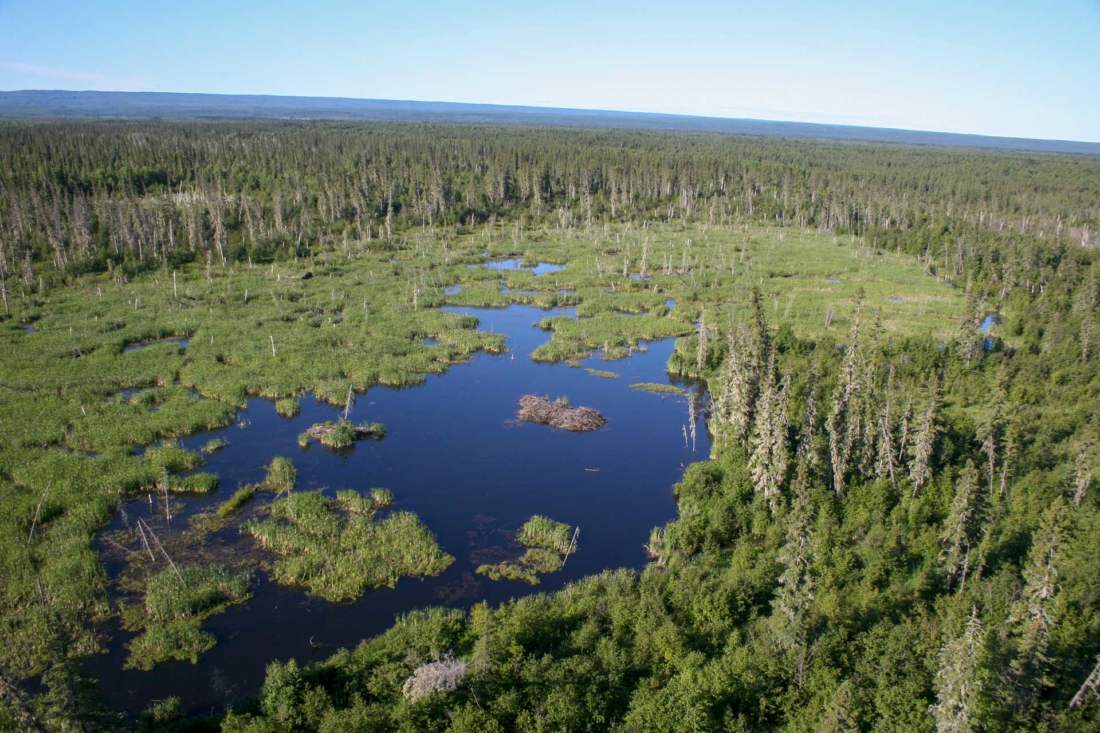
(335, 548)
(287, 407)
(657, 388)
(549, 544)
(214, 445)
(175, 605)
(602, 373)
(340, 434)
(280, 479)
(172, 457)
(196, 483)
(281, 475)
(239, 498)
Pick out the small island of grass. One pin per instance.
(177, 601)
(336, 549)
(549, 544)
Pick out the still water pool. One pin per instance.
(453, 455)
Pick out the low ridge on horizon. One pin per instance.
(41, 104)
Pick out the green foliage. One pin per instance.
(239, 498)
(656, 388)
(176, 602)
(214, 445)
(281, 475)
(337, 549)
(548, 545)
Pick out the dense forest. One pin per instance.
(85, 195)
(894, 532)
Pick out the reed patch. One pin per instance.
(337, 548)
(548, 545)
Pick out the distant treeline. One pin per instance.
(93, 195)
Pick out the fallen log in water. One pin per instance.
(558, 414)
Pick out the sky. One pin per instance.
(1017, 68)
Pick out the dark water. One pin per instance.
(453, 456)
(541, 268)
(988, 323)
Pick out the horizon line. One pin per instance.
(555, 108)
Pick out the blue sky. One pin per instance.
(1014, 67)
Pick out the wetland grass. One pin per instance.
(549, 544)
(657, 388)
(214, 445)
(82, 417)
(176, 602)
(337, 549)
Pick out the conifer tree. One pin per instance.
(738, 386)
(768, 460)
(843, 424)
(1082, 472)
(957, 683)
(795, 593)
(1032, 618)
(962, 527)
(924, 443)
(703, 346)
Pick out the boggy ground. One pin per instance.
(82, 412)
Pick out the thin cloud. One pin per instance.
(74, 75)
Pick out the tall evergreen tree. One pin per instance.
(962, 527)
(924, 443)
(1032, 618)
(957, 681)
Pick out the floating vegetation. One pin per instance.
(281, 475)
(239, 498)
(341, 433)
(558, 414)
(602, 373)
(177, 600)
(336, 549)
(196, 483)
(657, 388)
(549, 544)
(214, 445)
(288, 407)
(280, 479)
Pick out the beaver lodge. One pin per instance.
(340, 434)
(558, 414)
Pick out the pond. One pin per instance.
(541, 268)
(453, 455)
(988, 323)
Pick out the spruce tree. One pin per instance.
(924, 443)
(962, 527)
(1032, 618)
(768, 460)
(795, 593)
(957, 684)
